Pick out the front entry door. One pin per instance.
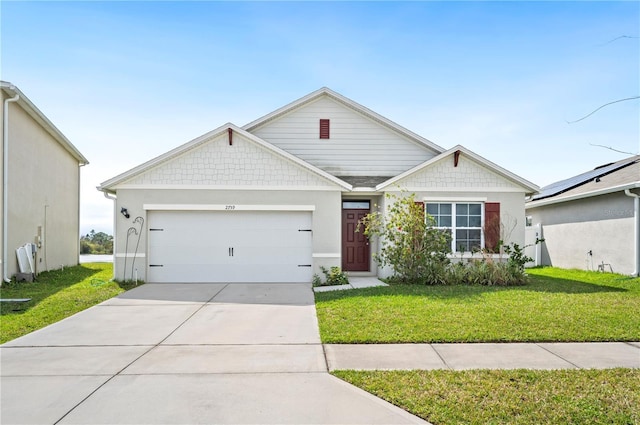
(355, 246)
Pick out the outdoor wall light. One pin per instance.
(124, 212)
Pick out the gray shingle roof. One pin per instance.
(364, 181)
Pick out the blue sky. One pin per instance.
(127, 81)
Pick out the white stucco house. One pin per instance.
(40, 186)
(276, 199)
(590, 221)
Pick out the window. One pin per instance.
(441, 214)
(468, 227)
(355, 205)
(462, 220)
(324, 129)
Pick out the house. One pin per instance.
(591, 221)
(276, 199)
(40, 186)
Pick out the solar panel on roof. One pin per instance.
(570, 183)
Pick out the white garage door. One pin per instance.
(229, 246)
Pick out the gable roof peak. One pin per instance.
(345, 101)
(529, 187)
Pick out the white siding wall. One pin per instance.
(358, 145)
(44, 181)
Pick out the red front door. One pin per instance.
(355, 246)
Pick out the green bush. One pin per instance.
(332, 276)
(410, 244)
(418, 252)
(488, 272)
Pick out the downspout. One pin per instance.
(636, 227)
(114, 199)
(5, 185)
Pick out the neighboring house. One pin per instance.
(277, 199)
(40, 186)
(591, 221)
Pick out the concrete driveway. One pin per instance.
(184, 354)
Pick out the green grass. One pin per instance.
(557, 305)
(610, 396)
(55, 295)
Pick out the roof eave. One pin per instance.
(41, 119)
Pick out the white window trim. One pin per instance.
(459, 199)
(453, 228)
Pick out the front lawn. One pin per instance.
(441, 397)
(55, 295)
(557, 305)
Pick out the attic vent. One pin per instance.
(324, 129)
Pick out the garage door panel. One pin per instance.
(178, 254)
(247, 256)
(222, 246)
(277, 237)
(226, 273)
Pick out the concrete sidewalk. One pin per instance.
(589, 355)
(596, 355)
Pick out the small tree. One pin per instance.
(410, 244)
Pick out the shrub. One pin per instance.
(332, 276)
(410, 244)
(418, 252)
(490, 271)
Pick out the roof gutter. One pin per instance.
(5, 185)
(107, 194)
(636, 226)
